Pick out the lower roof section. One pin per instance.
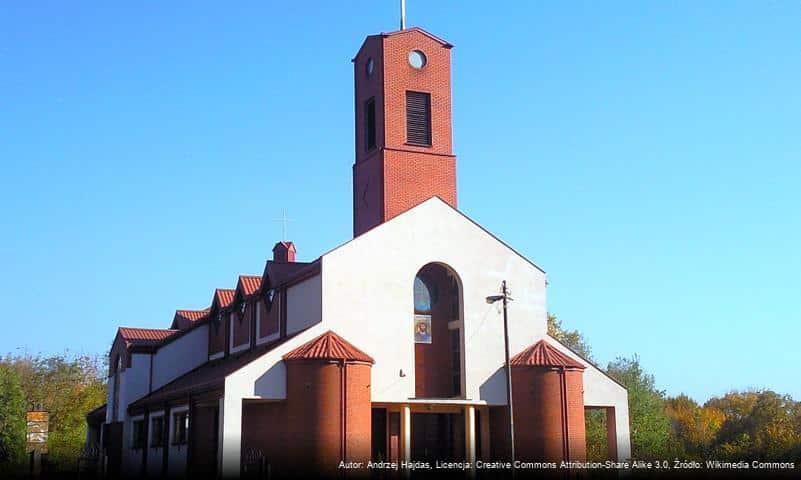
(206, 378)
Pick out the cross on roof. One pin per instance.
(284, 221)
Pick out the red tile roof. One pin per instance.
(224, 297)
(542, 354)
(250, 284)
(287, 244)
(184, 319)
(145, 336)
(328, 346)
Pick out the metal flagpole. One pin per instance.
(403, 14)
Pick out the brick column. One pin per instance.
(611, 433)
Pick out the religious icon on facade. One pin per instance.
(422, 329)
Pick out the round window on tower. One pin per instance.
(417, 59)
(370, 66)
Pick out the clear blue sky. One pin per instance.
(646, 154)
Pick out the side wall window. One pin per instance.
(157, 432)
(139, 434)
(369, 125)
(180, 428)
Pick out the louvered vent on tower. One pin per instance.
(418, 118)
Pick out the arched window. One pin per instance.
(437, 332)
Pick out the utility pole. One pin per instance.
(506, 298)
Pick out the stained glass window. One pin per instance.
(425, 294)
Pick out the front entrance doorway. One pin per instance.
(438, 436)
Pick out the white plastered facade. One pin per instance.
(365, 295)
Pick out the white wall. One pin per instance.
(368, 298)
(181, 355)
(304, 307)
(110, 398)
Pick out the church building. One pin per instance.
(384, 348)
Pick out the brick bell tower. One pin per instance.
(404, 151)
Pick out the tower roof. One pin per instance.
(328, 346)
(543, 354)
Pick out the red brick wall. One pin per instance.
(314, 415)
(204, 441)
(217, 335)
(434, 78)
(410, 179)
(576, 426)
(367, 87)
(368, 193)
(241, 330)
(264, 428)
(269, 321)
(358, 429)
(543, 397)
(396, 176)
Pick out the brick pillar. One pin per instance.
(549, 414)
(611, 433)
(328, 415)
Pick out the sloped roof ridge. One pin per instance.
(421, 30)
(328, 346)
(543, 354)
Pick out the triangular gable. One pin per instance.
(406, 31)
(247, 286)
(372, 38)
(184, 319)
(449, 207)
(222, 299)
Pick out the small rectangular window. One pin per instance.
(369, 124)
(418, 118)
(180, 427)
(139, 434)
(157, 432)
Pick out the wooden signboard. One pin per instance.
(38, 428)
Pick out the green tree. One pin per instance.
(651, 433)
(758, 424)
(694, 426)
(572, 338)
(12, 420)
(67, 388)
